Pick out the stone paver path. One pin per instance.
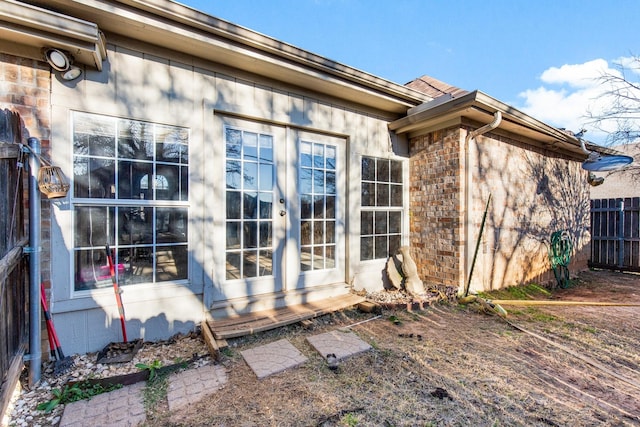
(122, 408)
(192, 385)
(342, 344)
(272, 358)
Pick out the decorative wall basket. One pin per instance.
(52, 182)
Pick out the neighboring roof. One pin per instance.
(480, 107)
(185, 30)
(435, 88)
(620, 183)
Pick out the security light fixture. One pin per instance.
(62, 62)
(596, 162)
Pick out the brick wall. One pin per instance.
(25, 88)
(533, 193)
(436, 218)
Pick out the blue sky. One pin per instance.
(541, 56)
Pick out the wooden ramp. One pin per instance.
(271, 319)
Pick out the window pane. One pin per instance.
(382, 170)
(233, 204)
(166, 182)
(135, 140)
(91, 269)
(396, 171)
(366, 223)
(318, 257)
(266, 234)
(318, 232)
(250, 234)
(266, 177)
(266, 148)
(331, 183)
(318, 181)
(94, 178)
(135, 225)
(171, 263)
(330, 257)
(233, 266)
(250, 176)
(305, 154)
(395, 222)
(382, 196)
(305, 181)
(366, 248)
(381, 249)
(94, 226)
(330, 236)
(171, 144)
(92, 133)
(368, 194)
(331, 207)
(305, 259)
(138, 264)
(250, 208)
(249, 264)
(368, 169)
(318, 207)
(265, 263)
(331, 157)
(133, 180)
(306, 228)
(266, 206)
(234, 238)
(381, 223)
(396, 195)
(394, 244)
(318, 156)
(171, 225)
(250, 146)
(234, 172)
(306, 208)
(234, 141)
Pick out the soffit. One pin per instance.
(180, 28)
(480, 108)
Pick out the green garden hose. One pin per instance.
(560, 256)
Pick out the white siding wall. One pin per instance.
(182, 91)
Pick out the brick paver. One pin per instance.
(194, 384)
(122, 408)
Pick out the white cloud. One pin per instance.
(570, 93)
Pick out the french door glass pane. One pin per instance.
(317, 186)
(249, 211)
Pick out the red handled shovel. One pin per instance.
(62, 363)
(118, 292)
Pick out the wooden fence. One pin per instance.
(615, 234)
(14, 268)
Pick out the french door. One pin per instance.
(284, 209)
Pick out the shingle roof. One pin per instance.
(434, 87)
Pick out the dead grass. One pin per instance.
(445, 366)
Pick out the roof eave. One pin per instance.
(183, 29)
(481, 107)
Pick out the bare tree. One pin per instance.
(624, 108)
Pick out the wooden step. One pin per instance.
(271, 319)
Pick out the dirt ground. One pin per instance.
(450, 365)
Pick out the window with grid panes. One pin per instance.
(130, 192)
(381, 208)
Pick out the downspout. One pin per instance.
(497, 119)
(35, 353)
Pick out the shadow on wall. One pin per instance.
(534, 193)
